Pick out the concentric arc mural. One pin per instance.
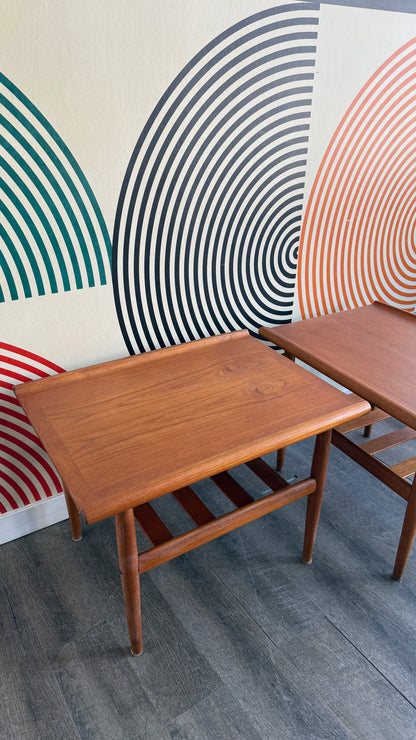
(27, 474)
(358, 241)
(53, 234)
(208, 222)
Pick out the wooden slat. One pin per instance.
(405, 468)
(194, 507)
(372, 464)
(151, 524)
(226, 523)
(269, 476)
(387, 441)
(367, 420)
(236, 493)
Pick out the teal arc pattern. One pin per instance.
(53, 234)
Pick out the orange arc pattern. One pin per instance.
(358, 234)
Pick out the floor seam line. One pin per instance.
(370, 662)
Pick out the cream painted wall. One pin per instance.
(353, 43)
(96, 69)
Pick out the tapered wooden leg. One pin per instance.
(280, 458)
(280, 461)
(313, 510)
(129, 571)
(408, 534)
(74, 518)
(369, 428)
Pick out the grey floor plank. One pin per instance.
(240, 638)
(176, 675)
(32, 705)
(348, 581)
(102, 691)
(217, 717)
(283, 696)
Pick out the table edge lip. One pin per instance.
(74, 480)
(27, 388)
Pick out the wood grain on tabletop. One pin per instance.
(176, 416)
(370, 350)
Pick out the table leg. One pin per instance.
(129, 571)
(408, 534)
(368, 429)
(313, 510)
(280, 460)
(74, 518)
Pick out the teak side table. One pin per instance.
(372, 351)
(123, 433)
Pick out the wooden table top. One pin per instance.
(125, 432)
(370, 350)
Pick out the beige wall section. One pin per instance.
(72, 329)
(97, 68)
(352, 44)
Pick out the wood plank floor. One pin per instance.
(241, 640)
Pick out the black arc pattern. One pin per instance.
(208, 221)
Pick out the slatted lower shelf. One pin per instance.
(365, 453)
(373, 417)
(208, 526)
(387, 441)
(405, 468)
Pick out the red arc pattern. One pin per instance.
(359, 230)
(26, 472)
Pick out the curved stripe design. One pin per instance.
(26, 472)
(53, 233)
(358, 240)
(208, 221)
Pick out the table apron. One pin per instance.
(372, 464)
